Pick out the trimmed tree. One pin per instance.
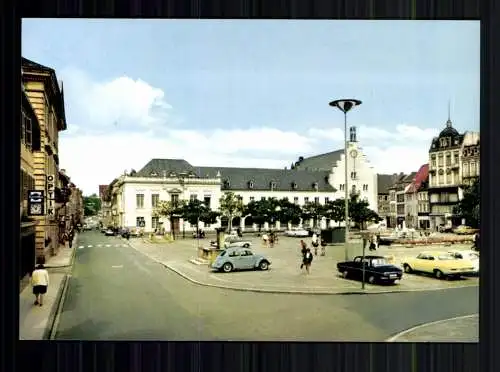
(314, 211)
(230, 206)
(469, 207)
(196, 211)
(290, 212)
(259, 210)
(168, 210)
(335, 210)
(360, 213)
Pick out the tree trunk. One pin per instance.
(230, 224)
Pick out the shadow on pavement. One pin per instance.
(87, 330)
(72, 295)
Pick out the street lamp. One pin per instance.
(345, 105)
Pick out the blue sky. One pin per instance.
(253, 93)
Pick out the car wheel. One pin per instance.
(407, 268)
(345, 274)
(246, 245)
(263, 265)
(227, 267)
(438, 274)
(371, 279)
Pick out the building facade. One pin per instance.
(132, 197)
(416, 201)
(384, 182)
(30, 146)
(47, 100)
(469, 162)
(445, 180)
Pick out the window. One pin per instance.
(455, 157)
(294, 186)
(327, 199)
(316, 200)
(448, 160)
(465, 170)
(27, 129)
(434, 198)
(155, 198)
(365, 187)
(433, 161)
(286, 198)
(234, 253)
(473, 169)
(252, 198)
(263, 198)
(207, 200)
(295, 200)
(155, 223)
(193, 197)
(306, 200)
(140, 222)
(174, 199)
(353, 175)
(341, 187)
(273, 185)
(250, 185)
(315, 185)
(139, 200)
(440, 160)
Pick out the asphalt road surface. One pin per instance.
(116, 293)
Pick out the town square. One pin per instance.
(357, 221)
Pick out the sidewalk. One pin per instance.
(284, 275)
(35, 322)
(460, 329)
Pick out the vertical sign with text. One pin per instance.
(51, 185)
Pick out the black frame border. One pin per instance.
(196, 356)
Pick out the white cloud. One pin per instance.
(123, 123)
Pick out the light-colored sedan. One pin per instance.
(440, 264)
(298, 233)
(237, 258)
(469, 255)
(235, 241)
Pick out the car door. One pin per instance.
(355, 267)
(428, 264)
(419, 262)
(247, 259)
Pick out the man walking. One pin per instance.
(308, 257)
(303, 252)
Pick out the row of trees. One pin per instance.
(268, 210)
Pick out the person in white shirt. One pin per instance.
(40, 282)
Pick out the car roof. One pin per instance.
(373, 257)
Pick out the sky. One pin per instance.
(253, 93)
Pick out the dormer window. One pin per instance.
(171, 174)
(315, 185)
(227, 184)
(250, 184)
(294, 186)
(326, 179)
(272, 184)
(154, 174)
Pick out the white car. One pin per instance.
(299, 233)
(470, 255)
(235, 241)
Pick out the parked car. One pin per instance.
(465, 230)
(235, 241)
(469, 255)
(236, 258)
(109, 232)
(439, 264)
(445, 229)
(297, 232)
(377, 270)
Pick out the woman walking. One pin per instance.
(40, 282)
(303, 251)
(308, 257)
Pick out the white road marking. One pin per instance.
(89, 246)
(124, 245)
(108, 245)
(99, 245)
(117, 266)
(81, 247)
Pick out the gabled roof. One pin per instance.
(233, 178)
(323, 162)
(384, 182)
(420, 178)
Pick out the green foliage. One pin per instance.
(260, 210)
(335, 210)
(231, 205)
(469, 207)
(196, 210)
(290, 212)
(360, 213)
(91, 205)
(312, 210)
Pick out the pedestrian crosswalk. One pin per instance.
(102, 246)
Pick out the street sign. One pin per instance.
(35, 203)
(51, 185)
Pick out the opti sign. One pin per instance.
(51, 186)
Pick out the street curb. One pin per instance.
(409, 330)
(274, 291)
(72, 259)
(54, 311)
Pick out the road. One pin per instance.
(117, 293)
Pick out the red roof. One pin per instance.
(421, 176)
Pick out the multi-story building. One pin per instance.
(444, 176)
(384, 182)
(397, 190)
(416, 207)
(30, 145)
(469, 163)
(47, 100)
(317, 179)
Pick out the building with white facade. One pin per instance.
(469, 158)
(317, 179)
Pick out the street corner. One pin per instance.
(458, 329)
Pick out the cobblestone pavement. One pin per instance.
(461, 329)
(285, 275)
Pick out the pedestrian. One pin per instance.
(476, 241)
(70, 241)
(40, 282)
(271, 240)
(265, 239)
(372, 244)
(323, 247)
(315, 244)
(303, 251)
(308, 257)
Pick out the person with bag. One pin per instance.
(303, 252)
(315, 244)
(40, 282)
(308, 258)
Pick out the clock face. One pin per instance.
(354, 153)
(36, 209)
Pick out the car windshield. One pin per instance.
(379, 262)
(445, 257)
(223, 253)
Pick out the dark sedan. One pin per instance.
(377, 270)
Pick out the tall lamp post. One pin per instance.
(345, 105)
